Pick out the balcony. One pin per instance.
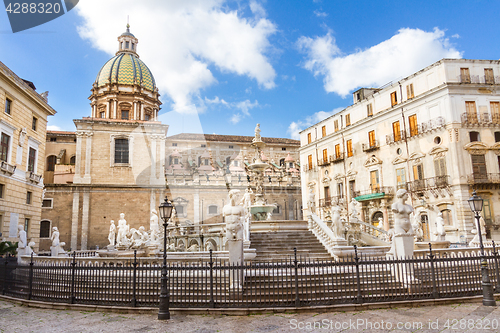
(309, 168)
(32, 177)
(375, 192)
(325, 202)
(337, 158)
(7, 168)
(479, 79)
(483, 119)
(484, 179)
(370, 146)
(433, 185)
(323, 162)
(424, 127)
(331, 201)
(395, 137)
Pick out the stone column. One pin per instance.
(115, 109)
(74, 220)
(79, 137)
(85, 220)
(88, 157)
(142, 111)
(383, 203)
(107, 110)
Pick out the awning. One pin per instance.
(370, 196)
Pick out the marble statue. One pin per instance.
(353, 205)
(269, 216)
(193, 248)
(233, 215)
(123, 230)
(257, 133)
(402, 211)
(22, 136)
(154, 227)
(57, 250)
(418, 230)
(440, 231)
(337, 227)
(23, 242)
(139, 237)
(475, 242)
(246, 200)
(112, 233)
(311, 202)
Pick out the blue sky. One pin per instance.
(223, 66)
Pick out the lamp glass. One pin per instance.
(166, 209)
(475, 203)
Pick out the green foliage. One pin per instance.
(8, 247)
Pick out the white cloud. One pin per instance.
(235, 118)
(245, 106)
(297, 126)
(257, 9)
(53, 128)
(408, 51)
(320, 14)
(179, 40)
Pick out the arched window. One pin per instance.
(282, 162)
(51, 162)
(212, 209)
(277, 210)
(44, 229)
(447, 217)
(72, 160)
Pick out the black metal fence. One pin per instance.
(213, 284)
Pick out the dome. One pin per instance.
(126, 68)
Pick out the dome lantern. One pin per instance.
(127, 43)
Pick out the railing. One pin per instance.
(481, 79)
(387, 190)
(309, 168)
(483, 178)
(294, 282)
(6, 167)
(483, 119)
(337, 158)
(395, 137)
(325, 202)
(324, 234)
(33, 177)
(421, 128)
(372, 230)
(370, 146)
(421, 185)
(323, 162)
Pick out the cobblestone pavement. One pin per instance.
(466, 317)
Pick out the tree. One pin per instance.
(8, 248)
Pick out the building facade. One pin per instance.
(23, 125)
(435, 133)
(120, 160)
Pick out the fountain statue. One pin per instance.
(154, 228)
(440, 231)
(234, 215)
(112, 235)
(403, 241)
(259, 209)
(57, 250)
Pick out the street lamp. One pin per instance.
(165, 214)
(476, 206)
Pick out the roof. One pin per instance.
(60, 133)
(230, 138)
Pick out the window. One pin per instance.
(27, 226)
(147, 117)
(33, 124)
(179, 210)
(349, 148)
(121, 151)
(340, 190)
(352, 188)
(2, 190)
(374, 181)
(309, 138)
(440, 167)
(8, 106)
(348, 120)
(125, 114)
(325, 155)
(282, 162)
(31, 160)
(336, 125)
(277, 210)
(413, 125)
(4, 147)
(53, 139)
(44, 229)
(174, 144)
(127, 45)
(488, 76)
(497, 136)
(309, 162)
(72, 160)
(369, 110)
(337, 151)
(401, 178)
(409, 91)
(28, 197)
(323, 131)
(394, 99)
(470, 109)
(203, 146)
(474, 136)
(464, 75)
(495, 112)
(479, 167)
(418, 177)
(212, 209)
(371, 139)
(47, 203)
(231, 147)
(283, 148)
(51, 162)
(396, 131)
(102, 114)
(447, 217)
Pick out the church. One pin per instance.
(120, 160)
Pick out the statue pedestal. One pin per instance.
(403, 245)
(235, 248)
(403, 248)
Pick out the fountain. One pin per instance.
(259, 210)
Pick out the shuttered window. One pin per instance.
(394, 99)
(396, 131)
(413, 125)
(310, 162)
(495, 112)
(349, 148)
(371, 138)
(337, 151)
(479, 167)
(470, 109)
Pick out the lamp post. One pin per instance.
(476, 205)
(165, 210)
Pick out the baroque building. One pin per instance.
(120, 160)
(23, 125)
(435, 133)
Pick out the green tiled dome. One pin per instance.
(126, 68)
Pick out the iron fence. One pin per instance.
(294, 282)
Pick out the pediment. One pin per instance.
(399, 160)
(180, 201)
(351, 173)
(338, 176)
(416, 156)
(326, 179)
(496, 148)
(372, 160)
(311, 184)
(438, 150)
(476, 148)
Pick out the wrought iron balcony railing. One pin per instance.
(421, 128)
(479, 79)
(483, 178)
(432, 183)
(337, 158)
(483, 119)
(325, 202)
(374, 189)
(309, 168)
(323, 162)
(370, 146)
(395, 137)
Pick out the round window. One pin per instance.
(437, 140)
(399, 151)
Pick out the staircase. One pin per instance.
(273, 246)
